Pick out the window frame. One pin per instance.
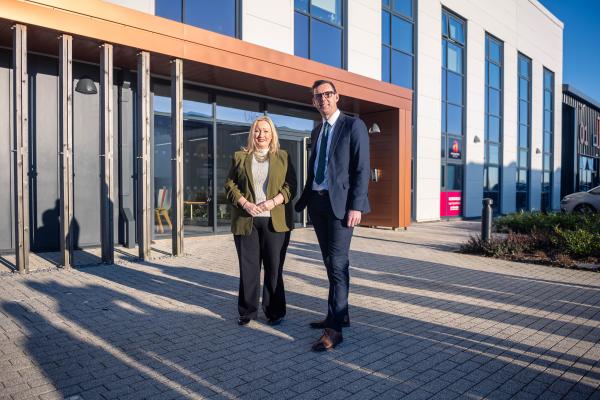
(389, 9)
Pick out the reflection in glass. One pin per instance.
(456, 30)
(402, 69)
(385, 64)
(404, 7)
(300, 35)
(494, 50)
(493, 154)
(301, 5)
(385, 27)
(523, 136)
(454, 177)
(493, 129)
(326, 44)
(492, 178)
(493, 101)
(454, 88)
(454, 120)
(494, 76)
(402, 34)
(217, 16)
(454, 62)
(327, 10)
(161, 162)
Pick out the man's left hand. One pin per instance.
(353, 218)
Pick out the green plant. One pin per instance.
(579, 243)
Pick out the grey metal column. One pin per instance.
(66, 147)
(107, 194)
(177, 153)
(21, 150)
(144, 209)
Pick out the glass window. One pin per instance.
(169, 9)
(301, 35)
(548, 120)
(301, 5)
(493, 178)
(456, 30)
(493, 154)
(385, 28)
(494, 51)
(327, 10)
(494, 76)
(402, 69)
(454, 176)
(318, 31)
(523, 112)
(404, 7)
(454, 88)
(385, 64)
(523, 89)
(493, 101)
(217, 16)
(454, 120)
(326, 44)
(523, 66)
(494, 129)
(402, 34)
(523, 159)
(523, 136)
(454, 58)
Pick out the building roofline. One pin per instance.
(573, 91)
(547, 13)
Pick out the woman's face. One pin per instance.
(262, 135)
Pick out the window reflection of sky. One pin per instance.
(292, 123)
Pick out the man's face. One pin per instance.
(325, 100)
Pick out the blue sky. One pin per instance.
(581, 58)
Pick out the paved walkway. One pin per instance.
(426, 323)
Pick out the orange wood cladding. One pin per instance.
(218, 60)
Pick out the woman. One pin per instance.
(260, 185)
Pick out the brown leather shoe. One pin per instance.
(328, 341)
(322, 324)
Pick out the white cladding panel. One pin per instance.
(146, 6)
(269, 23)
(364, 37)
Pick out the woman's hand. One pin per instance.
(252, 208)
(267, 205)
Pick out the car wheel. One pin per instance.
(584, 209)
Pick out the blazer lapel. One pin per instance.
(337, 132)
(313, 147)
(248, 168)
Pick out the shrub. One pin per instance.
(512, 245)
(528, 222)
(580, 243)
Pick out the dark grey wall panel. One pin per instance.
(86, 161)
(44, 169)
(6, 155)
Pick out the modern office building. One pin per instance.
(120, 117)
(581, 142)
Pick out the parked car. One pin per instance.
(583, 202)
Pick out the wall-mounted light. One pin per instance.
(375, 175)
(86, 85)
(374, 128)
(476, 139)
(537, 150)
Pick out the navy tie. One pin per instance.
(320, 175)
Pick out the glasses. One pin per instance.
(324, 95)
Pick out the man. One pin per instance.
(336, 197)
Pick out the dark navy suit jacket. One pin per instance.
(348, 167)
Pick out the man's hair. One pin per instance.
(322, 82)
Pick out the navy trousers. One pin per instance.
(334, 238)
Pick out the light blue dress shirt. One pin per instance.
(332, 120)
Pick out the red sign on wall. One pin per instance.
(450, 204)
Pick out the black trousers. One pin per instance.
(267, 247)
(334, 238)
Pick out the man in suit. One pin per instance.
(336, 197)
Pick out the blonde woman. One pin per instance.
(260, 185)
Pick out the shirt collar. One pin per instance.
(333, 118)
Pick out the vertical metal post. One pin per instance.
(66, 148)
(177, 154)
(144, 217)
(486, 220)
(21, 139)
(107, 194)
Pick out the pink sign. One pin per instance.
(450, 204)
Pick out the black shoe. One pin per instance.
(274, 321)
(243, 321)
(322, 324)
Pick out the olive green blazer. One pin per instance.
(281, 179)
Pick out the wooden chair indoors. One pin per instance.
(162, 211)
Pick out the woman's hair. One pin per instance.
(273, 146)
